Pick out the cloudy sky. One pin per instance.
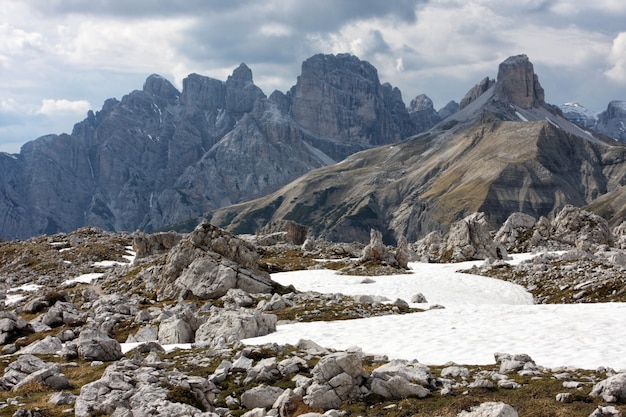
(60, 58)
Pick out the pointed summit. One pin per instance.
(518, 83)
(242, 75)
(158, 86)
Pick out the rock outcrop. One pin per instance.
(209, 262)
(468, 239)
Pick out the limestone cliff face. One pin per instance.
(160, 156)
(518, 83)
(505, 151)
(340, 97)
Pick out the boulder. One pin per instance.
(50, 345)
(337, 377)
(50, 376)
(16, 371)
(510, 363)
(62, 398)
(612, 389)
(606, 411)
(428, 249)
(376, 250)
(235, 298)
(490, 409)
(412, 371)
(397, 387)
(95, 345)
(175, 330)
(227, 326)
(61, 313)
(153, 244)
(469, 239)
(292, 232)
(515, 231)
(619, 235)
(147, 333)
(261, 396)
(11, 326)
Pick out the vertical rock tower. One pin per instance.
(518, 83)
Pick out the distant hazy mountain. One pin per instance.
(506, 150)
(159, 156)
(579, 114)
(612, 121)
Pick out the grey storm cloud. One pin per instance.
(76, 51)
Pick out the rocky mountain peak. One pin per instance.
(518, 83)
(420, 103)
(578, 114)
(158, 86)
(612, 121)
(476, 91)
(241, 76)
(340, 98)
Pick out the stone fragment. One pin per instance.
(490, 409)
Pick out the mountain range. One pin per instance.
(504, 151)
(161, 156)
(611, 122)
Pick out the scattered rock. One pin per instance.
(62, 398)
(606, 411)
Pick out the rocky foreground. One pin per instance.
(84, 330)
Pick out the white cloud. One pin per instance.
(144, 45)
(399, 64)
(52, 107)
(617, 59)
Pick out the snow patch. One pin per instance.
(131, 254)
(481, 316)
(108, 264)
(85, 278)
(553, 123)
(522, 118)
(11, 299)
